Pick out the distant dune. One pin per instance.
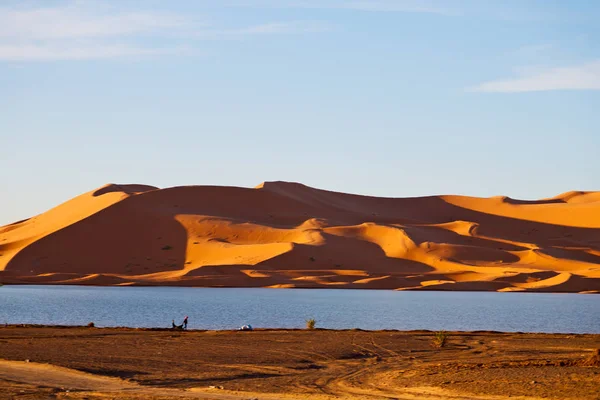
(288, 235)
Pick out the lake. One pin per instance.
(229, 308)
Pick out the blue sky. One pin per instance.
(389, 98)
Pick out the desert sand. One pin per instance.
(288, 235)
(120, 363)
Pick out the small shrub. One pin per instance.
(310, 323)
(91, 325)
(593, 360)
(440, 339)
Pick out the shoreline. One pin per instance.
(316, 329)
(74, 362)
(420, 289)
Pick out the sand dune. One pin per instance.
(283, 234)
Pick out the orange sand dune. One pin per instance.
(289, 235)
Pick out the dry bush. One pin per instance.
(440, 339)
(593, 360)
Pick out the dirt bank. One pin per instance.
(280, 364)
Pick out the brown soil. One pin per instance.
(93, 363)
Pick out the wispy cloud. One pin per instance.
(76, 22)
(73, 52)
(578, 77)
(282, 28)
(409, 6)
(74, 32)
(292, 27)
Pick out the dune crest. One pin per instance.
(282, 235)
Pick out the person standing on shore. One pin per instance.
(185, 321)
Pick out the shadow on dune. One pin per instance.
(532, 202)
(126, 189)
(343, 253)
(522, 231)
(121, 239)
(145, 234)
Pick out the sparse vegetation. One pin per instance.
(310, 323)
(91, 325)
(440, 338)
(593, 360)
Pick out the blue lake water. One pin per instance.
(216, 308)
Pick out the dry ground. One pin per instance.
(122, 363)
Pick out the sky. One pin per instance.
(390, 98)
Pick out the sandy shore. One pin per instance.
(120, 363)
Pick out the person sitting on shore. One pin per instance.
(180, 327)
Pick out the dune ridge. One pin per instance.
(282, 235)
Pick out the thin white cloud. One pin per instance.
(76, 32)
(289, 27)
(409, 6)
(292, 27)
(89, 52)
(578, 77)
(76, 22)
